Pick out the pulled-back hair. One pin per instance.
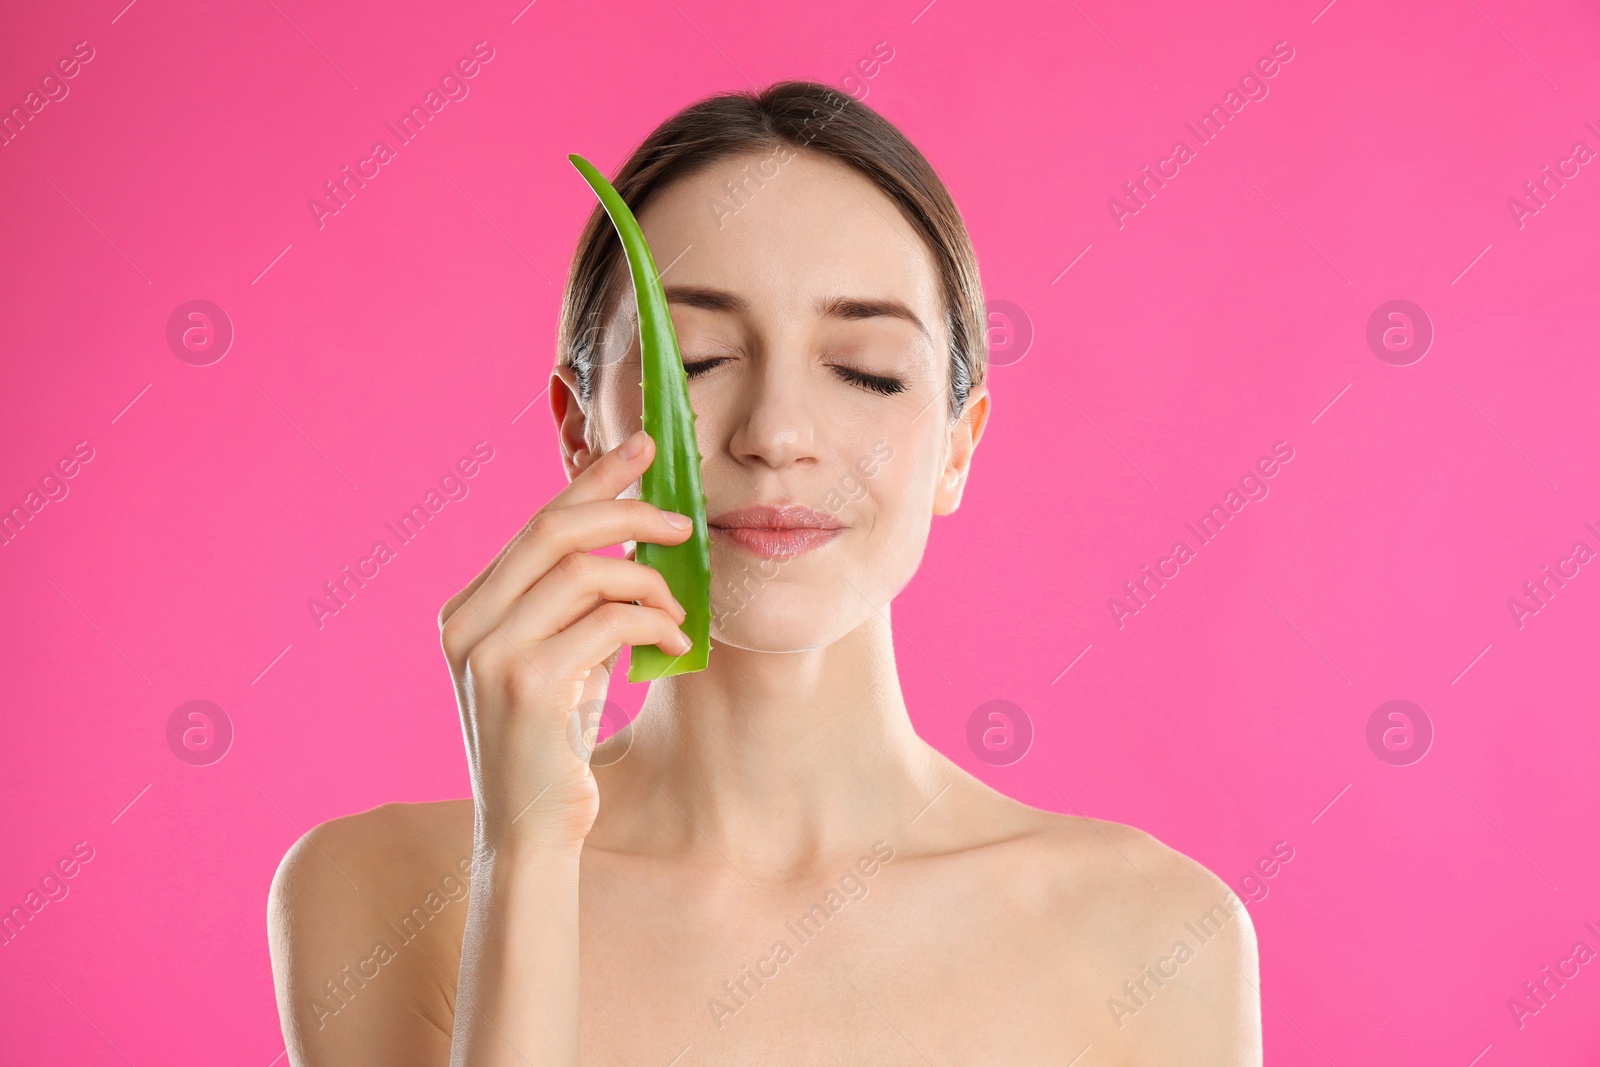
(794, 115)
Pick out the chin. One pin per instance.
(783, 616)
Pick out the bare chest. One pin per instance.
(886, 970)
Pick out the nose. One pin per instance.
(777, 421)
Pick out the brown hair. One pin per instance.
(797, 114)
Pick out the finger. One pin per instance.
(593, 638)
(455, 603)
(551, 537)
(611, 473)
(560, 532)
(604, 479)
(577, 585)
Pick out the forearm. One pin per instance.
(517, 999)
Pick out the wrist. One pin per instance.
(529, 849)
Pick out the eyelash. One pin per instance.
(876, 383)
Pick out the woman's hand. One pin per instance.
(532, 642)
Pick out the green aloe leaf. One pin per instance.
(672, 481)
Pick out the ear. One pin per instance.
(963, 442)
(572, 422)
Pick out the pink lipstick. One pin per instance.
(775, 531)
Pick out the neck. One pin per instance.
(775, 760)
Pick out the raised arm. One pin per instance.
(531, 643)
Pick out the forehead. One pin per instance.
(783, 234)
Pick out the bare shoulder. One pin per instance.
(364, 922)
(1130, 877)
(1156, 953)
(1171, 947)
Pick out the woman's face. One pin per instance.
(812, 327)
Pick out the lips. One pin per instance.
(775, 531)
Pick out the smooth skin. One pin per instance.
(629, 909)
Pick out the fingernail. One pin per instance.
(633, 445)
(683, 644)
(682, 522)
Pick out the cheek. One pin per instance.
(619, 401)
(898, 467)
(898, 506)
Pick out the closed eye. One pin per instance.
(694, 370)
(885, 386)
(877, 383)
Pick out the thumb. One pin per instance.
(598, 682)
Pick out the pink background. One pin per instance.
(1227, 315)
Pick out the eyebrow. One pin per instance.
(850, 308)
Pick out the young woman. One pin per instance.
(769, 865)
